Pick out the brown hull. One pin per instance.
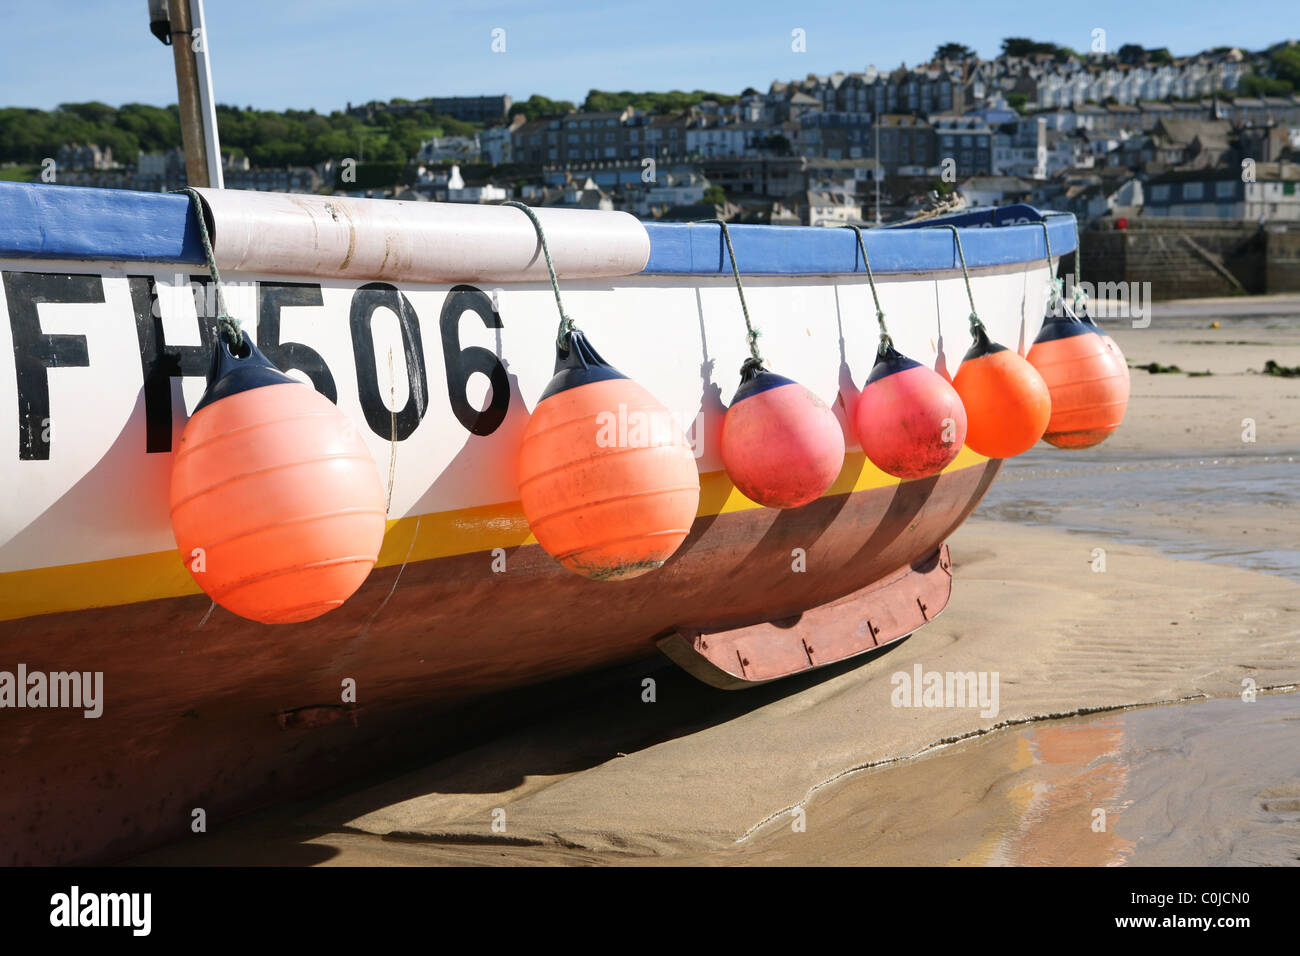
(229, 715)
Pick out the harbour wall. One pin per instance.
(1191, 258)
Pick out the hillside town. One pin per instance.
(1138, 133)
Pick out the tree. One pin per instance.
(601, 102)
(1023, 46)
(674, 101)
(953, 51)
(1252, 84)
(155, 128)
(1131, 54)
(266, 137)
(1285, 62)
(715, 195)
(97, 113)
(537, 106)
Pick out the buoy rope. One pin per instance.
(225, 321)
(975, 322)
(756, 360)
(1080, 296)
(1054, 297)
(567, 325)
(885, 340)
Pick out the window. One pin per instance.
(1160, 193)
(1224, 189)
(1193, 190)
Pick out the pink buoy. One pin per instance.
(781, 445)
(909, 420)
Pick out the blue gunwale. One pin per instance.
(39, 221)
(698, 249)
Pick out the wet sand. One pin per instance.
(1200, 592)
(1199, 784)
(1200, 414)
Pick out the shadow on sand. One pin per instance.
(557, 720)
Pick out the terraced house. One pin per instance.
(1273, 196)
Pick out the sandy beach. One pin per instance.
(1160, 568)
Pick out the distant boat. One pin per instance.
(432, 326)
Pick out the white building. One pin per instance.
(673, 189)
(831, 208)
(1274, 196)
(994, 190)
(442, 149)
(731, 138)
(1074, 83)
(494, 145)
(457, 191)
(1219, 193)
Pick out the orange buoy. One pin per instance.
(781, 445)
(1089, 393)
(909, 420)
(276, 504)
(607, 480)
(1006, 400)
(1112, 347)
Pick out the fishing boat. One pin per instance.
(431, 327)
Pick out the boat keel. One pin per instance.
(879, 614)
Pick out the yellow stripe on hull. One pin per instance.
(161, 574)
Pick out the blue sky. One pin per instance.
(322, 53)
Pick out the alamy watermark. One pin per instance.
(77, 690)
(640, 428)
(1114, 300)
(946, 689)
(76, 908)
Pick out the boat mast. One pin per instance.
(181, 24)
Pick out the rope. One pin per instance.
(1080, 296)
(1053, 297)
(226, 323)
(567, 325)
(885, 340)
(975, 322)
(756, 360)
